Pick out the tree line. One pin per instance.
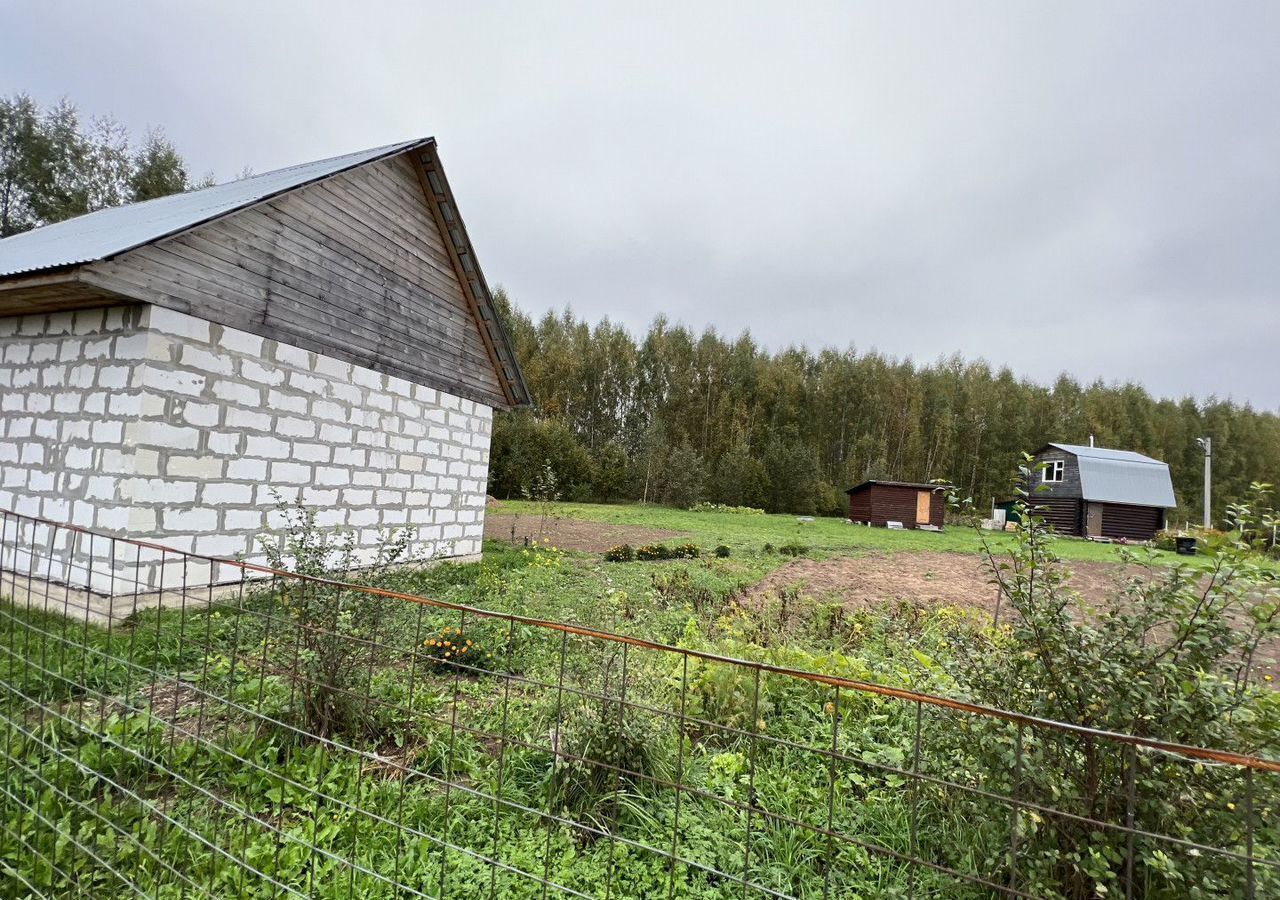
(54, 165)
(676, 417)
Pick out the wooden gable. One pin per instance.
(355, 266)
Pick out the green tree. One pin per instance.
(54, 167)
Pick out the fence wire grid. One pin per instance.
(196, 727)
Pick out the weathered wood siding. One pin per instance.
(1069, 486)
(1132, 523)
(353, 267)
(1065, 514)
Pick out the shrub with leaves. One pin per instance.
(620, 553)
(334, 634)
(603, 751)
(1168, 656)
(651, 552)
(794, 548)
(725, 508)
(450, 648)
(723, 551)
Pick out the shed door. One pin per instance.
(922, 507)
(1093, 520)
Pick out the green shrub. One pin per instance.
(339, 633)
(768, 548)
(794, 548)
(650, 552)
(1168, 656)
(604, 750)
(686, 551)
(723, 551)
(620, 553)
(724, 508)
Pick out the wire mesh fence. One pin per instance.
(177, 726)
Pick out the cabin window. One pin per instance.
(1054, 470)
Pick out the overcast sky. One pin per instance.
(1089, 188)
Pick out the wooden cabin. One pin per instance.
(1101, 493)
(892, 504)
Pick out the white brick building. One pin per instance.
(168, 368)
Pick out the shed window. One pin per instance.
(1054, 469)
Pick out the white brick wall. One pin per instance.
(162, 426)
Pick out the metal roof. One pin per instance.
(109, 232)
(1121, 476)
(902, 484)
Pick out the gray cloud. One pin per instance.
(1087, 189)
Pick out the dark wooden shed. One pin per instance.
(906, 503)
(1100, 493)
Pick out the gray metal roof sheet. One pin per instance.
(109, 232)
(1121, 476)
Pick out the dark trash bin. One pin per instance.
(1186, 546)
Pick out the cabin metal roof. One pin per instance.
(1121, 476)
(902, 484)
(118, 229)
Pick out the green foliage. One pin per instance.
(53, 167)
(794, 548)
(337, 632)
(1169, 655)
(620, 553)
(722, 508)
(653, 552)
(789, 430)
(723, 551)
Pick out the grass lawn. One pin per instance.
(751, 532)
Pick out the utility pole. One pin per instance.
(1206, 444)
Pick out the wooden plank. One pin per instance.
(347, 264)
(472, 300)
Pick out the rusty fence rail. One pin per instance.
(176, 725)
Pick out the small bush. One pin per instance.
(602, 752)
(686, 551)
(724, 508)
(722, 552)
(794, 548)
(768, 548)
(620, 553)
(450, 647)
(650, 552)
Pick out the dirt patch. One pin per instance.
(571, 534)
(928, 579)
(933, 579)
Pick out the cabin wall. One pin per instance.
(353, 267)
(860, 505)
(879, 504)
(1070, 486)
(149, 423)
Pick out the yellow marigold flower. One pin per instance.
(830, 708)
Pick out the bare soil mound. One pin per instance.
(937, 579)
(571, 534)
(927, 579)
